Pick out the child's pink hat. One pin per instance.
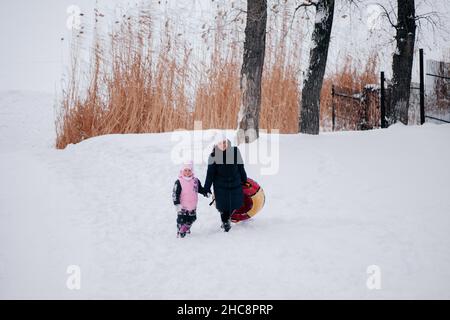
(188, 165)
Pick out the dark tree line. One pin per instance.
(309, 122)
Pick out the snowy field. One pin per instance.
(338, 204)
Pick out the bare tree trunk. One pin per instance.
(251, 72)
(312, 85)
(403, 61)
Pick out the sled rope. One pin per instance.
(211, 203)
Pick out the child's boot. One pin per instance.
(183, 230)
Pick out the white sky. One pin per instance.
(33, 55)
(31, 47)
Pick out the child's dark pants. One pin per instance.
(187, 217)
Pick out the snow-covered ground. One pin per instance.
(338, 204)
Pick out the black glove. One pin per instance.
(206, 193)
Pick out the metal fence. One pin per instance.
(355, 110)
(429, 99)
(372, 108)
(437, 91)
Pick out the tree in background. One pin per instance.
(312, 84)
(408, 26)
(403, 60)
(251, 72)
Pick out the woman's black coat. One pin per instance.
(226, 173)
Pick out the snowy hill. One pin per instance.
(338, 204)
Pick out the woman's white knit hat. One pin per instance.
(220, 136)
(188, 165)
(223, 135)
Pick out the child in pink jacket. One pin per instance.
(185, 198)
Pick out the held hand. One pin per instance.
(206, 193)
(246, 184)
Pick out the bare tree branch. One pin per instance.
(387, 15)
(304, 5)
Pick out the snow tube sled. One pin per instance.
(254, 199)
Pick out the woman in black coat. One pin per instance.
(226, 173)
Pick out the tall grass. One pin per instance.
(130, 89)
(280, 83)
(139, 82)
(217, 91)
(135, 86)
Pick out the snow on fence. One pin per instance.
(437, 87)
(355, 110)
(362, 110)
(436, 82)
(429, 99)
